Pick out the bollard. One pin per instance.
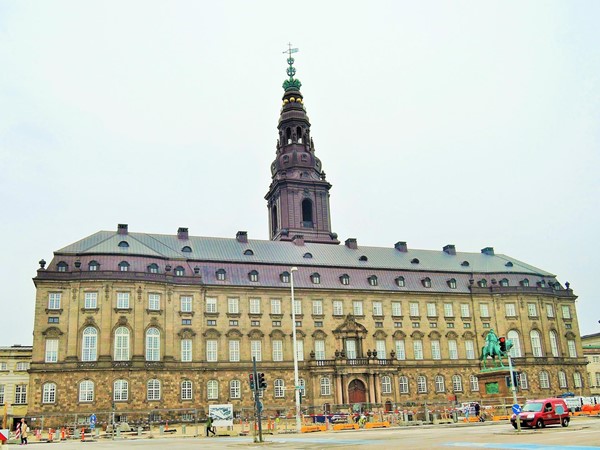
(82, 434)
(77, 433)
(118, 432)
(183, 428)
(161, 429)
(140, 429)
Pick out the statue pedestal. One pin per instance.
(493, 383)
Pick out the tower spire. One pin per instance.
(298, 197)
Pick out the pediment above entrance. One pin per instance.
(350, 327)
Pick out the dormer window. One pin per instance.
(123, 244)
(284, 277)
(187, 249)
(465, 264)
(504, 282)
(179, 271)
(345, 279)
(525, 282)
(426, 282)
(482, 283)
(124, 266)
(248, 252)
(93, 265)
(221, 274)
(414, 261)
(509, 264)
(363, 258)
(253, 276)
(153, 268)
(315, 278)
(62, 266)
(452, 283)
(400, 282)
(307, 255)
(372, 280)
(542, 283)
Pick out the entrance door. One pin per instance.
(357, 393)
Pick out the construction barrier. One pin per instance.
(312, 428)
(497, 418)
(377, 425)
(345, 426)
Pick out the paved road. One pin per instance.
(581, 434)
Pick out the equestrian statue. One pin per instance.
(492, 349)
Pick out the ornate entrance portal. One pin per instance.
(357, 392)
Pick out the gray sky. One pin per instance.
(471, 123)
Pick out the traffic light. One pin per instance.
(502, 342)
(251, 377)
(262, 383)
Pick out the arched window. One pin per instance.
(307, 255)
(179, 271)
(152, 344)
(288, 135)
(440, 384)
(457, 383)
(523, 380)
(315, 278)
(153, 389)
(279, 386)
(49, 393)
(421, 384)
(299, 135)
(474, 382)
(525, 282)
(86, 391)
(504, 282)
(253, 276)
(483, 283)
(212, 390)
(452, 283)
(284, 277)
(62, 267)
(515, 351)
(372, 280)
(274, 222)
(544, 380)
(536, 343)
(400, 282)
(426, 282)
(124, 266)
(345, 279)
(577, 380)
(89, 345)
(554, 343)
(235, 390)
(120, 390)
(187, 249)
(221, 274)
(93, 265)
(562, 380)
(123, 244)
(153, 268)
(122, 344)
(248, 252)
(186, 390)
(307, 213)
(386, 385)
(403, 383)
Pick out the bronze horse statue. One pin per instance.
(492, 348)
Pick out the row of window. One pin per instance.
(20, 394)
(20, 366)
(122, 344)
(124, 266)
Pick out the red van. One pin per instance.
(539, 413)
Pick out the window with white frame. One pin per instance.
(233, 305)
(431, 310)
(325, 386)
(122, 300)
(396, 309)
(186, 350)
(536, 343)
(562, 380)
(418, 348)
(317, 307)
(277, 350)
(550, 311)
(86, 391)
(357, 307)
(254, 305)
(211, 350)
(51, 351)
(414, 309)
(474, 383)
(572, 348)
(350, 345)
(300, 349)
(153, 389)
(235, 389)
(452, 349)
(381, 350)
(338, 308)
(256, 349)
(553, 343)
(3, 365)
(90, 300)
(211, 305)
(403, 383)
(121, 344)
(465, 311)
(275, 306)
(22, 366)
(523, 381)
(484, 310)
(544, 380)
(440, 383)
(532, 309)
(513, 336)
(48, 393)
(510, 310)
(152, 344)
(20, 394)
(386, 385)
(377, 309)
(54, 300)
(186, 303)
(436, 352)
(566, 312)
(212, 390)
(319, 349)
(400, 350)
(448, 310)
(154, 302)
(297, 306)
(457, 385)
(234, 350)
(186, 390)
(470, 349)
(120, 390)
(421, 384)
(89, 347)
(279, 387)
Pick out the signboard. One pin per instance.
(93, 421)
(4, 435)
(516, 409)
(222, 415)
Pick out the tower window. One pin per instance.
(299, 135)
(288, 135)
(307, 213)
(274, 224)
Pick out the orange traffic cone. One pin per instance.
(82, 434)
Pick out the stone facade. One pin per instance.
(591, 351)
(14, 382)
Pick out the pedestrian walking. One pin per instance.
(209, 426)
(24, 430)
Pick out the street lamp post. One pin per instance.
(296, 382)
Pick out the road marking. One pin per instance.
(519, 446)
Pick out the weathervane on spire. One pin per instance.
(291, 83)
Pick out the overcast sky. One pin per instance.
(467, 123)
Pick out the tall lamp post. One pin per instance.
(296, 382)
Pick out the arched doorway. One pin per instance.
(357, 392)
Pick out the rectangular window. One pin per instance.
(254, 305)
(53, 320)
(186, 303)
(154, 302)
(20, 394)
(90, 300)
(22, 366)
(317, 307)
(464, 310)
(448, 310)
(572, 348)
(470, 349)
(400, 350)
(276, 323)
(396, 309)
(338, 308)
(351, 349)
(54, 300)
(418, 349)
(431, 310)
(275, 306)
(255, 323)
(211, 350)
(318, 324)
(566, 312)
(357, 307)
(414, 309)
(381, 350)
(398, 324)
(435, 349)
(550, 311)
(532, 309)
(319, 349)
(234, 351)
(377, 309)
(233, 323)
(523, 381)
(51, 350)
(211, 305)
(484, 310)
(233, 305)
(404, 385)
(277, 350)
(186, 321)
(297, 306)
(186, 350)
(122, 300)
(256, 350)
(211, 323)
(300, 350)
(1, 394)
(510, 309)
(3, 366)
(453, 349)
(378, 324)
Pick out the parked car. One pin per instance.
(539, 413)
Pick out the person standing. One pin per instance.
(209, 426)
(24, 429)
(477, 410)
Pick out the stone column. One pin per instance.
(377, 386)
(338, 389)
(371, 382)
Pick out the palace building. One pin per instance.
(136, 321)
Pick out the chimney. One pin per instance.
(488, 251)
(352, 243)
(182, 233)
(242, 236)
(450, 249)
(298, 239)
(401, 246)
(122, 228)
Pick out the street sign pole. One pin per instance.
(514, 391)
